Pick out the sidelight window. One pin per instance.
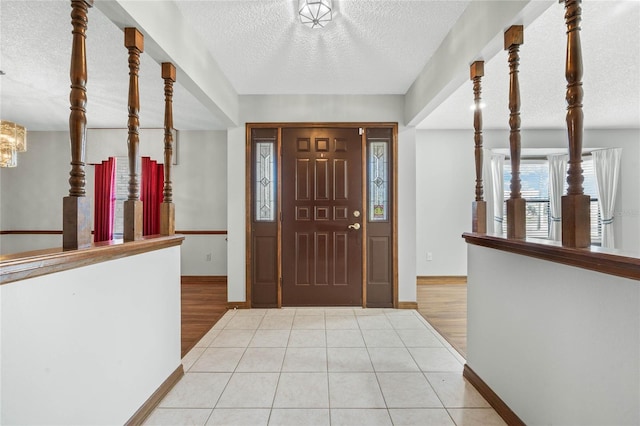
(378, 180)
(265, 185)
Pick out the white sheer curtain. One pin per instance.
(497, 186)
(606, 166)
(557, 177)
(486, 183)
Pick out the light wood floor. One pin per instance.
(445, 307)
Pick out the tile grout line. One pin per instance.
(326, 351)
(236, 367)
(385, 315)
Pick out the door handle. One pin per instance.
(355, 226)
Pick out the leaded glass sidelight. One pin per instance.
(265, 186)
(378, 180)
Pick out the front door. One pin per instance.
(322, 217)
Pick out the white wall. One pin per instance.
(559, 344)
(89, 345)
(236, 214)
(445, 185)
(200, 193)
(316, 108)
(31, 194)
(105, 143)
(407, 217)
(444, 209)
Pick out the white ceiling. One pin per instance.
(371, 47)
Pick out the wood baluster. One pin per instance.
(576, 220)
(134, 42)
(479, 207)
(516, 205)
(167, 208)
(76, 208)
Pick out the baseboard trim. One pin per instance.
(492, 398)
(238, 305)
(204, 279)
(155, 398)
(408, 305)
(443, 279)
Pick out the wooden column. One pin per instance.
(576, 219)
(134, 42)
(167, 208)
(516, 205)
(479, 207)
(76, 208)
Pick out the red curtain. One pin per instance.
(152, 186)
(105, 200)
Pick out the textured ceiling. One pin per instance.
(35, 55)
(371, 47)
(611, 80)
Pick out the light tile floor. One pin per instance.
(333, 366)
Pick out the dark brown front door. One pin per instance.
(321, 198)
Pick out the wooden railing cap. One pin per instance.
(514, 35)
(477, 69)
(169, 71)
(133, 39)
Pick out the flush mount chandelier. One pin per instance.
(13, 139)
(314, 13)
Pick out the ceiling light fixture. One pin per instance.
(13, 139)
(314, 13)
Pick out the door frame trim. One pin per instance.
(249, 199)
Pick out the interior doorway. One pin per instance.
(321, 215)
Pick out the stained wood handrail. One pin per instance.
(20, 266)
(606, 261)
(479, 207)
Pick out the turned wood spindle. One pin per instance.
(134, 42)
(76, 226)
(167, 208)
(576, 219)
(479, 208)
(516, 205)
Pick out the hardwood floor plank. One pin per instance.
(445, 307)
(203, 303)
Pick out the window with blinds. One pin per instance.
(534, 178)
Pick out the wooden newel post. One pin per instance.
(167, 208)
(134, 42)
(76, 208)
(479, 207)
(516, 205)
(576, 220)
